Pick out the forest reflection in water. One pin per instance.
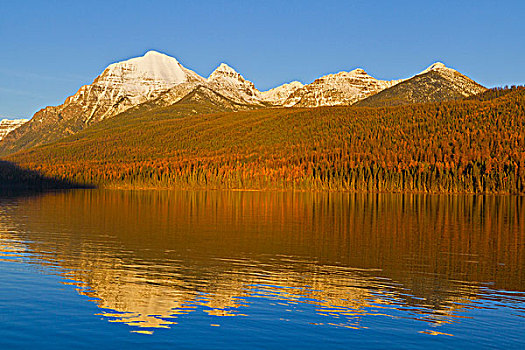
(148, 257)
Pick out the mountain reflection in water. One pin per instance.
(148, 257)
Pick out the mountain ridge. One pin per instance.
(437, 83)
(158, 80)
(343, 88)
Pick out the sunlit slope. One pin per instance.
(461, 146)
(191, 99)
(435, 85)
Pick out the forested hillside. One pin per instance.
(465, 146)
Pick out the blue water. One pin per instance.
(209, 270)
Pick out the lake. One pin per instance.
(218, 269)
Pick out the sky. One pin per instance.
(49, 49)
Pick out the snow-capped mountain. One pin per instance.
(129, 83)
(224, 80)
(121, 86)
(7, 125)
(231, 84)
(343, 88)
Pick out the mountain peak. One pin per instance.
(154, 53)
(358, 71)
(127, 83)
(227, 75)
(151, 61)
(154, 70)
(233, 85)
(437, 83)
(223, 70)
(437, 66)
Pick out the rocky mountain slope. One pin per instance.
(343, 88)
(7, 125)
(278, 95)
(437, 83)
(231, 84)
(200, 99)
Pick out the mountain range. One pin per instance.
(156, 80)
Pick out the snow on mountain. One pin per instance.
(121, 85)
(436, 66)
(125, 84)
(156, 79)
(231, 84)
(460, 83)
(8, 125)
(437, 83)
(279, 94)
(142, 75)
(343, 88)
(128, 83)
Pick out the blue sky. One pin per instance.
(51, 48)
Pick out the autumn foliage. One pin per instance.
(468, 146)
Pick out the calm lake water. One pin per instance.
(124, 269)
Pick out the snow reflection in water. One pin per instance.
(333, 260)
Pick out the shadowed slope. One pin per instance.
(16, 178)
